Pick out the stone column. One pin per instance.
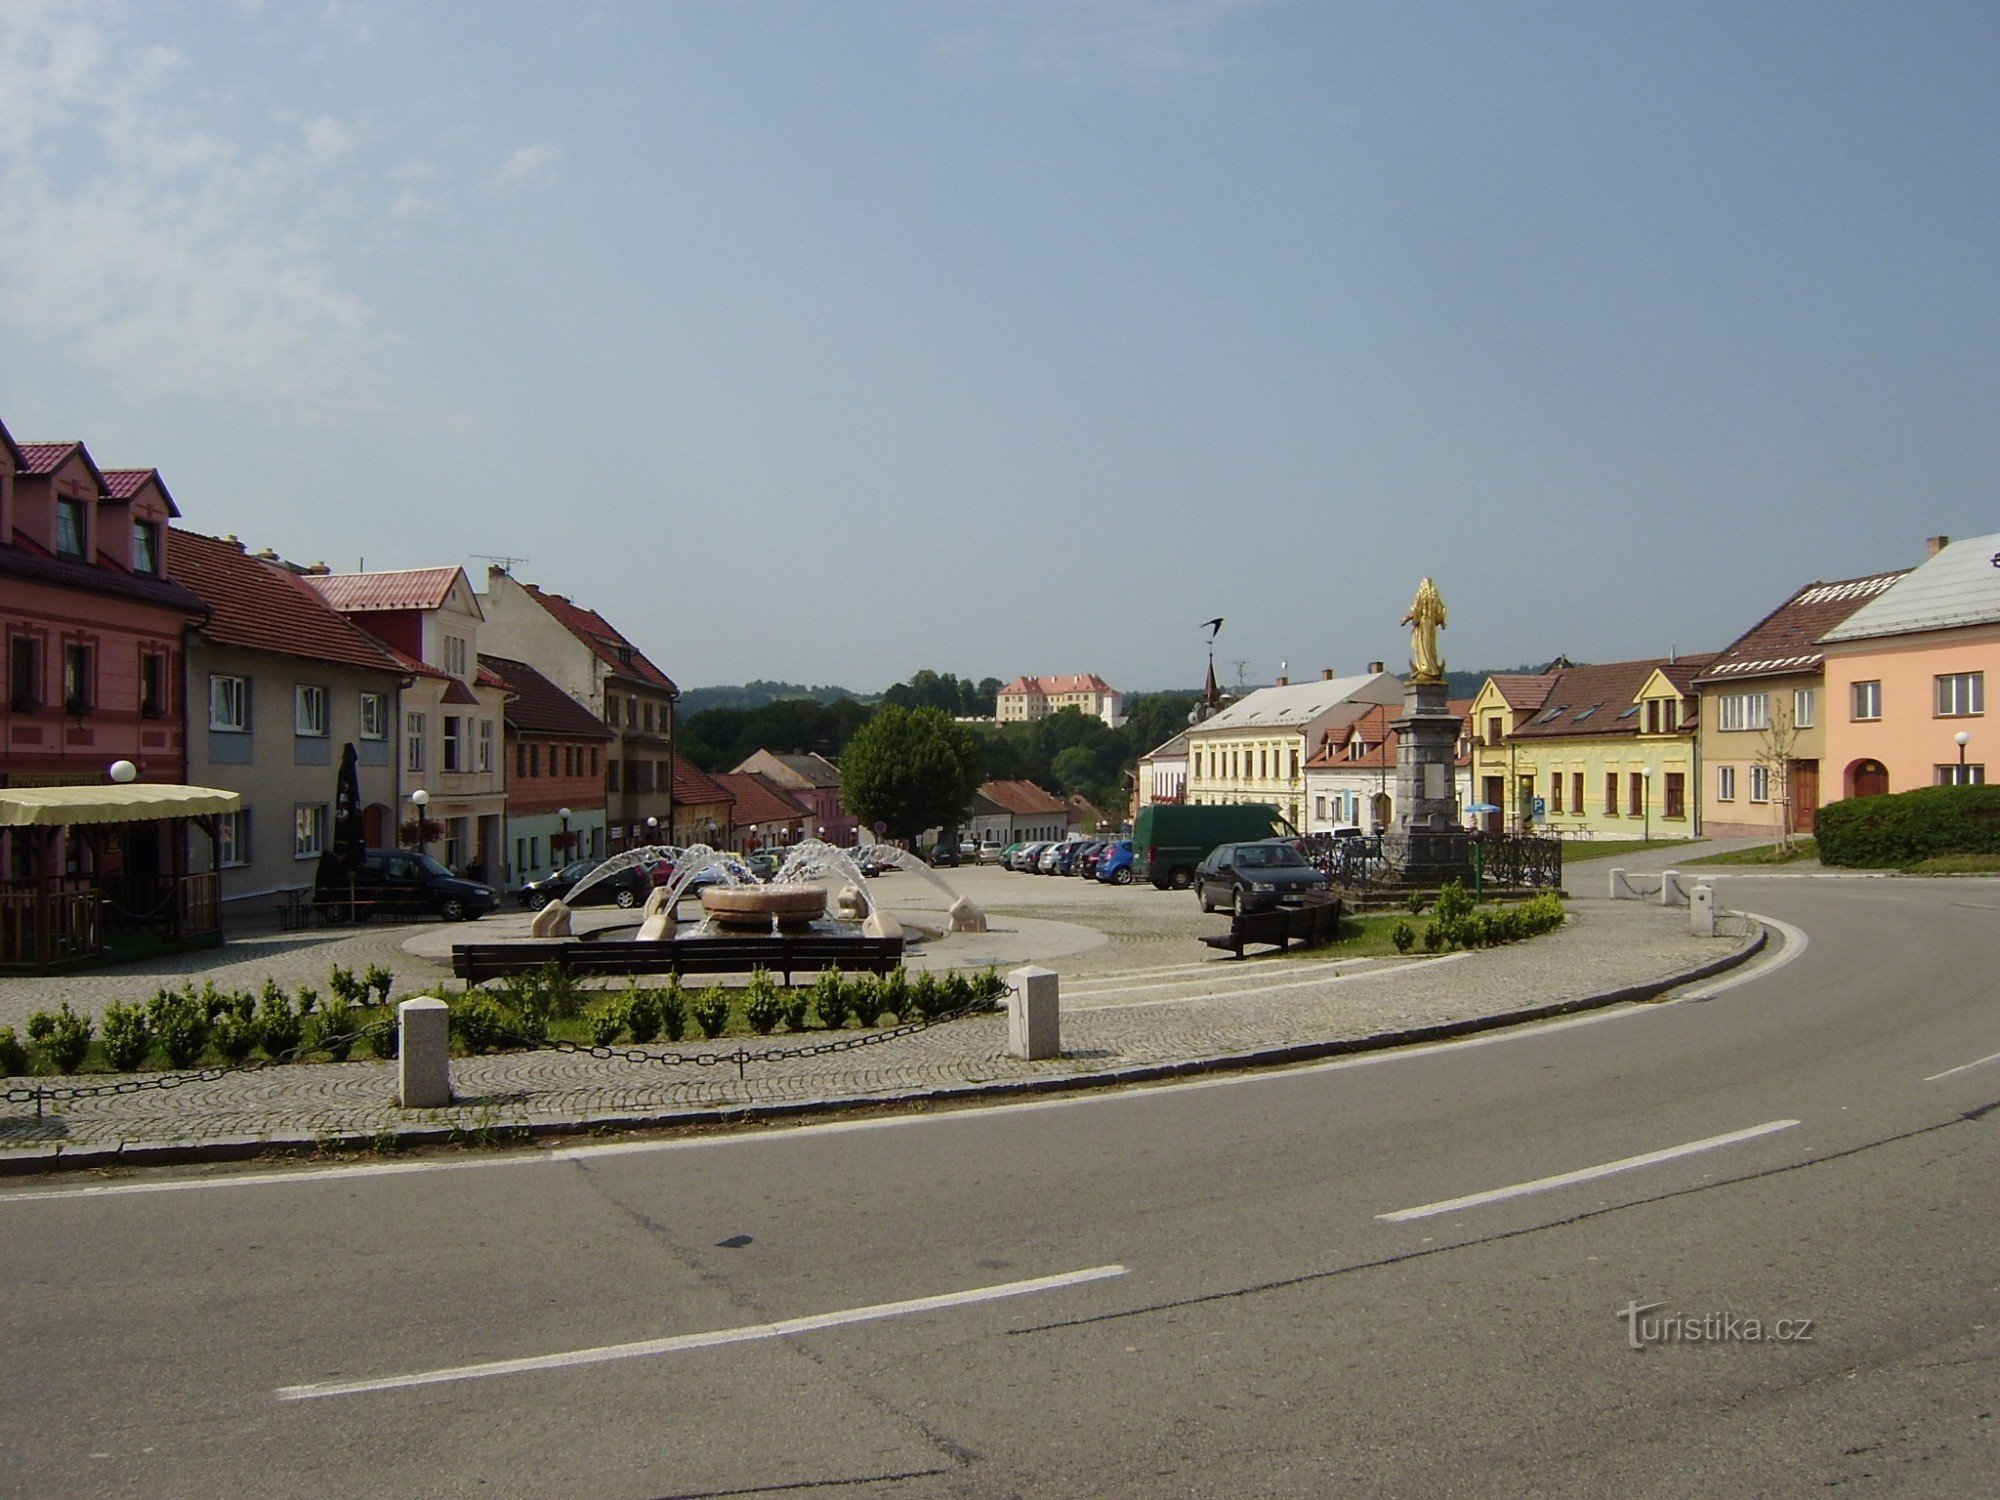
(1427, 841)
(1034, 1021)
(423, 1059)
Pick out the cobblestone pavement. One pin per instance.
(1138, 992)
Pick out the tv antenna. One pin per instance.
(505, 564)
(1241, 667)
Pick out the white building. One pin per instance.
(1027, 699)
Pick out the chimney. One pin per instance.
(317, 570)
(1284, 681)
(1933, 545)
(1326, 674)
(1374, 669)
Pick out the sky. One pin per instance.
(824, 342)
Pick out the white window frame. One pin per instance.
(413, 741)
(79, 509)
(1805, 707)
(1864, 701)
(1760, 783)
(309, 711)
(374, 716)
(485, 746)
(309, 830)
(1725, 783)
(454, 748)
(228, 710)
(454, 655)
(1736, 711)
(232, 839)
(1972, 773)
(1959, 695)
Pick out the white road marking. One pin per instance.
(677, 1343)
(1796, 943)
(1585, 1174)
(1964, 1067)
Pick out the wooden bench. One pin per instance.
(782, 955)
(1317, 921)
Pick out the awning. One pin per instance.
(64, 806)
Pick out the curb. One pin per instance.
(32, 1160)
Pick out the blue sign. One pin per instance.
(1540, 807)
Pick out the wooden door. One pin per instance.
(1805, 794)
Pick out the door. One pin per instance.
(1805, 794)
(1496, 797)
(1867, 778)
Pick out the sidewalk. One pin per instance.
(1141, 1000)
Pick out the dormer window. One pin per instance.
(72, 528)
(145, 546)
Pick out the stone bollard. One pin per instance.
(1621, 889)
(1701, 911)
(1034, 1021)
(1672, 892)
(423, 1057)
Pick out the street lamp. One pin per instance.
(652, 830)
(421, 799)
(711, 833)
(1647, 773)
(123, 771)
(1962, 739)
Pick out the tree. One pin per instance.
(910, 769)
(1776, 744)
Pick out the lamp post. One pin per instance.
(420, 799)
(1961, 739)
(711, 833)
(652, 830)
(1646, 774)
(124, 772)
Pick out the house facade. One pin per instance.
(553, 750)
(1605, 750)
(704, 811)
(1026, 699)
(1256, 749)
(1350, 782)
(1008, 812)
(278, 684)
(1764, 714)
(452, 713)
(763, 815)
(1906, 677)
(585, 656)
(814, 781)
(1162, 774)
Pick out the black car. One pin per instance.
(627, 888)
(1255, 876)
(397, 883)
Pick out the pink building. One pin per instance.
(1906, 676)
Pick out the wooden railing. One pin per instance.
(41, 928)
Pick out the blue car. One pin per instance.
(1114, 865)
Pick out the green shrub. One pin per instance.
(333, 1028)
(673, 1010)
(1543, 913)
(180, 1024)
(926, 996)
(278, 1021)
(212, 1001)
(378, 981)
(308, 1000)
(607, 1024)
(1454, 904)
(831, 999)
(642, 1014)
(64, 1036)
(711, 1011)
(762, 1005)
(1902, 828)
(476, 1022)
(344, 987)
(127, 1038)
(234, 1033)
(992, 987)
(1403, 936)
(894, 990)
(1435, 939)
(387, 1040)
(798, 1005)
(1414, 903)
(13, 1056)
(864, 998)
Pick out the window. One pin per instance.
(308, 830)
(1676, 794)
(1867, 700)
(77, 679)
(1556, 793)
(454, 655)
(229, 704)
(1636, 795)
(1725, 783)
(1960, 694)
(1493, 729)
(486, 745)
(152, 685)
(593, 760)
(1663, 715)
(1743, 711)
(72, 528)
(1804, 707)
(1760, 783)
(453, 760)
(309, 711)
(648, 711)
(1972, 774)
(24, 674)
(1576, 792)
(145, 546)
(610, 775)
(1610, 794)
(413, 742)
(232, 838)
(374, 716)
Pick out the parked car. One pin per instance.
(945, 852)
(1255, 876)
(1045, 862)
(1170, 839)
(1086, 857)
(397, 883)
(989, 852)
(765, 864)
(1006, 857)
(1114, 865)
(627, 888)
(1027, 856)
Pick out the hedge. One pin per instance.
(1905, 827)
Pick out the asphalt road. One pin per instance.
(1401, 1274)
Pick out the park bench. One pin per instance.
(1317, 921)
(782, 955)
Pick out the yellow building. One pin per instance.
(1256, 749)
(1607, 751)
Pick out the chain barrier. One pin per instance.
(744, 1056)
(41, 1095)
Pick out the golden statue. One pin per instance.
(1427, 615)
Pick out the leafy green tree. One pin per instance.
(910, 769)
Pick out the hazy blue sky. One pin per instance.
(831, 341)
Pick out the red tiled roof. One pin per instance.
(1592, 700)
(611, 648)
(693, 786)
(758, 800)
(411, 588)
(1786, 639)
(1023, 798)
(538, 706)
(45, 458)
(1048, 687)
(260, 606)
(1524, 690)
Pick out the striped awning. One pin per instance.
(66, 806)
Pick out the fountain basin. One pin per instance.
(753, 907)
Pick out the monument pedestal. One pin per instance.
(1426, 841)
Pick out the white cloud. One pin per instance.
(530, 167)
(414, 199)
(328, 139)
